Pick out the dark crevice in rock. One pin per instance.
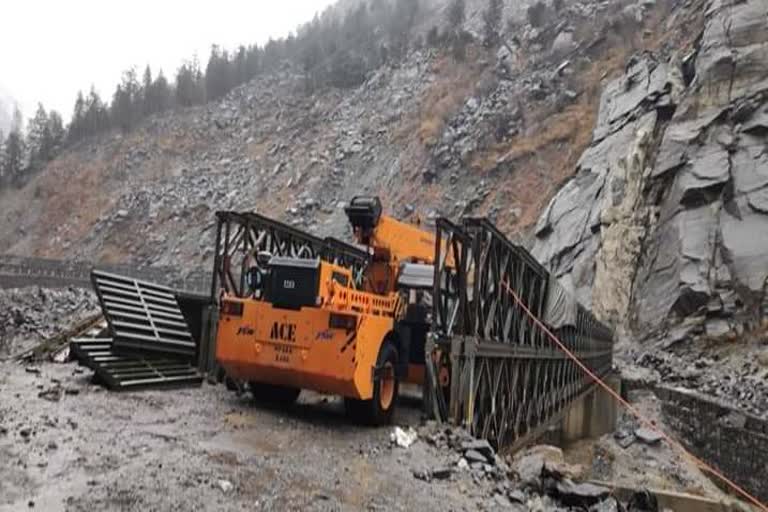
(698, 197)
(688, 65)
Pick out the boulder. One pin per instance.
(528, 464)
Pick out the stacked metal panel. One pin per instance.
(120, 372)
(143, 316)
(150, 345)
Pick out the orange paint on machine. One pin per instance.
(313, 324)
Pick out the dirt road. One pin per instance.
(198, 449)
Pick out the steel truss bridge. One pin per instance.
(492, 369)
(508, 380)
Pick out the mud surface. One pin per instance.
(179, 450)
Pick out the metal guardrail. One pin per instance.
(508, 380)
(18, 271)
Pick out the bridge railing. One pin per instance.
(19, 271)
(508, 380)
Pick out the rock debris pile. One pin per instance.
(536, 479)
(29, 315)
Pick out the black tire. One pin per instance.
(274, 394)
(376, 411)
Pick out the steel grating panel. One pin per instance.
(143, 316)
(121, 372)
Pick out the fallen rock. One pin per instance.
(52, 394)
(441, 473)
(473, 456)
(624, 439)
(225, 486)
(438, 473)
(576, 494)
(480, 445)
(648, 436)
(403, 438)
(529, 463)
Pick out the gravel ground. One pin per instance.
(67, 444)
(181, 450)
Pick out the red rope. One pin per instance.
(646, 422)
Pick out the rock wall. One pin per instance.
(667, 215)
(591, 234)
(734, 443)
(709, 254)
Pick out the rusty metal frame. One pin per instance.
(508, 379)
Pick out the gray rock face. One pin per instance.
(712, 238)
(598, 215)
(668, 218)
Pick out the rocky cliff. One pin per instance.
(667, 215)
(663, 229)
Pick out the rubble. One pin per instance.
(225, 486)
(403, 438)
(648, 436)
(30, 315)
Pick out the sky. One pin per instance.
(50, 49)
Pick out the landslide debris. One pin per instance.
(30, 315)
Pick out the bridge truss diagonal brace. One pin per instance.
(508, 380)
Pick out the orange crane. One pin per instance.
(314, 325)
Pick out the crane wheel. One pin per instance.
(380, 409)
(274, 394)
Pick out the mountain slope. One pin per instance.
(495, 135)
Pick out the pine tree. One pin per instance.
(400, 26)
(240, 66)
(148, 100)
(537, 14)
(17, 123)
(433, 37)
(161, 93)
(15, 150)
(96, 119)
(190, 88)
(121, 109)
(273, 55)
(252, 62)
(492, 18)
(456, 17)
(77, 124)
(39, 142)
(2, 158)
(220, 74)
(56, 129)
